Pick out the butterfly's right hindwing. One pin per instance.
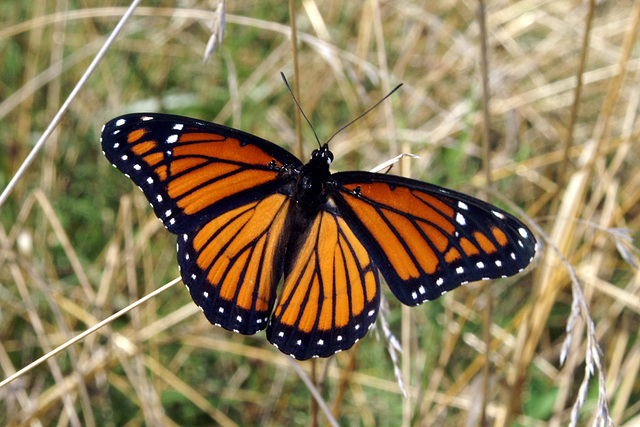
(331, 292)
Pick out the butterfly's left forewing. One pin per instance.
(190, 170)
(331, 292)
(427, 240)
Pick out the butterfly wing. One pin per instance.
(331, 292)
(232, 264)
(427, 240)
(192, 170)
(226, 193)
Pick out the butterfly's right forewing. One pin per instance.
(427, 240)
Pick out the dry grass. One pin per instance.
(79, 242)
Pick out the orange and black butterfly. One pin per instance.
(247, 212)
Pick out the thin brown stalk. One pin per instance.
(296, 77)
(486, 162)
(568, 142)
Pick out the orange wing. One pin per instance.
(192, 171)
(427, 240)
(331, 292)
(226, 193)
(232, 264)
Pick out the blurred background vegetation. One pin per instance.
(78, 241)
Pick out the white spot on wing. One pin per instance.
(178, 126)
(205, 294)
(523, 232)
(499, 263)
(172, 138)
(463, 205)
(120, 122)
(439, 282)
(281, 334)
(146, 118)
(498, 214)
(124, 157)
(159, 198)
(460, 270)
(480, 264)
(150, 180)
(460, 219)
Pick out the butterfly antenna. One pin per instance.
(365, 113)
(300, 108)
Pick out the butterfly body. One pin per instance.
(248, 213)
(312, 182)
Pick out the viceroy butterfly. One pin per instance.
(247, 212)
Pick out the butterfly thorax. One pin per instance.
(312, 181)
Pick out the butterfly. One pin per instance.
(248, 212)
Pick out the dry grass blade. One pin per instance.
(87, 332)
(54, 123)
(217, 32)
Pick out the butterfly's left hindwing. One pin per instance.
(233, 263)
(427, 240)
(192, 171)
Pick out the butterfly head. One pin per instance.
(322, 154)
